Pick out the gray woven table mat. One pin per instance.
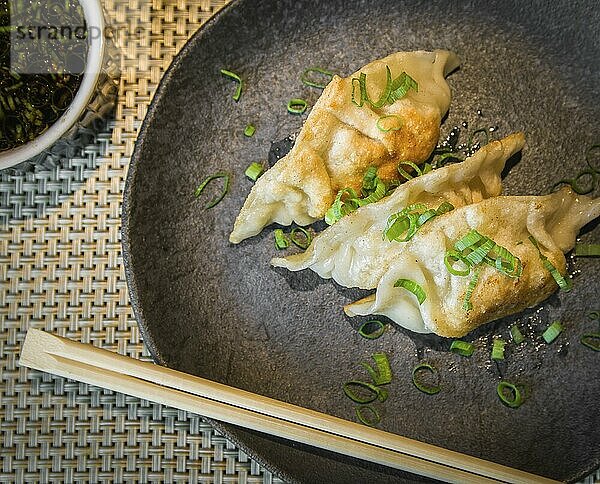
(61, 271)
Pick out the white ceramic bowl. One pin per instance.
(94, 18)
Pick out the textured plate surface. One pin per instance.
(220, 311)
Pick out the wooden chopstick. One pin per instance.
(67, 358)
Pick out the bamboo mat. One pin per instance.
(61, 270)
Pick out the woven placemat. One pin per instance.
(61, 271)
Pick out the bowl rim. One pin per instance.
(94, 18)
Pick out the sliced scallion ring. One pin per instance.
(364, 392)
(420, 369)
(307, 79)
(297, 106)
(372, 419)
(593, 160)
(303, 241)
(389, 122)
(451, 258)
(379, 192)
(249, 130)
(209, 179)
(578, 184)
(594, 315)
(509, 394)
(463, 348)
(404, 173)
(238, 79)
(552, 332)
(371, 329)
(413, 287)
(591, 340)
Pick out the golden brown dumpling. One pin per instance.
(552, 220)
(340, 140)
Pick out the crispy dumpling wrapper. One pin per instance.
(553, 220)
(353, 251)
(340, 140)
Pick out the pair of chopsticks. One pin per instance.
(83, 362)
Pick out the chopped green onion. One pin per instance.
(378, 194)
(322, 72)
(254, 170)
(468, 240)
(594, 315)
(451, 258)
(516, 334)
(249, 130)
(364, 392)
(467, 305)
(340, 207)
(395, 123)
(413, 287)
(297, 106)
(498, 349)
(563, 282)
(592, 149)
(281, 242)
(372, 420)
(304, 241)
(552, 332)
(402, 226)
(370, 179)
(383, 99)
(426, 216)
(383, 374)
(401, 85)
(505, 262)
(587, 250)
(373, 189)
(475, 248)
(235, 77)
(591, 340)
(479, 254)
(444, 207)
(509, 394)
(420, 369)
(372, 329)
(580, 178)
(404, 173)
(393, 90)
(206, 181)
(462, 348)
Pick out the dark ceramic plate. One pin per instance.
(220, 311)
